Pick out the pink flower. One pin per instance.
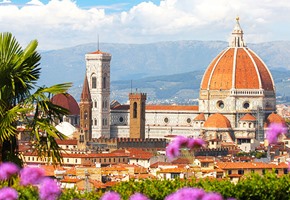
(31, 175)
(187, 193)
(180, 140)
(212, 196)
(111, 196)
(195, 143)
(274, 131)
(48, 189)
(7, 169)
(172, 150)
(138, 196)
(8, 193)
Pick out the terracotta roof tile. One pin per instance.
(199, 117)
(248, 117)
(217, 120)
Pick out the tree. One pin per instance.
(19, 72)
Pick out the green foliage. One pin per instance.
(19, 73)
(252, 186)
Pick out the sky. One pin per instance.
(59, 24)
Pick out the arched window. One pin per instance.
(104, 81)
(95, 122)
(135, 110)
(94, 82)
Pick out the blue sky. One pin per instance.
(65, 23)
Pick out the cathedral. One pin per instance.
(237, 101)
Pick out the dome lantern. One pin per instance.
(237, 36)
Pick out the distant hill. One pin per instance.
(165, 70)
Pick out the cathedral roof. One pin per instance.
(248, 117)
(274, 118)
(237, 67)
(199, 117)
(66, 101)
(217, 120)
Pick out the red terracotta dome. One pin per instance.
(274, 118)
(237, 67)
(217, 121)
(67, 101)
(248, 117)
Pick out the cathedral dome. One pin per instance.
(274, 118)
(217, 121)
(67, 101)
(237, 67)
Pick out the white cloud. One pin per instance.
(5, 1)
(60, 24)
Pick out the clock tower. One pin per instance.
(98, 74)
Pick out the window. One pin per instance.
(86, 115)
(94, 82)
(220, 104)
(229, 172)
(67, 160)
(246, 105)
(95, 122)
(96, 104)
(285, 171)
(135, 110)
(188, 120)
(240, 171)
(104, 81)
(76, 161)
(121, 119)
(175, 175)
(166, 120)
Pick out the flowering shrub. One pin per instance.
(173, 149)
(26, 183)
(274, 131)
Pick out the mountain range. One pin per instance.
(169, 72)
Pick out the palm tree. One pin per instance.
(19, 72)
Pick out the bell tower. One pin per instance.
(85, 114)
(98, 74)
(137, 115)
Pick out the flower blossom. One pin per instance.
(173, 149)
(49, 190)
(274, 131)
(8, 193)
(187, 193)
(138, 196)
(111, 196)
(31, 175)
(7, 169)
(212, 196)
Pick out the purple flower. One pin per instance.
(212, 196)
(180, 140)
(187, 193)
(172, 150)
(48, 189)
(138, 196)
(111, 196)
(195, 143)
(31, 175)
(8, 193)
(7, 169)
(273, 132)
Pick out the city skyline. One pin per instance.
(59, 24)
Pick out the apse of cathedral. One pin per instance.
(237, 102)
